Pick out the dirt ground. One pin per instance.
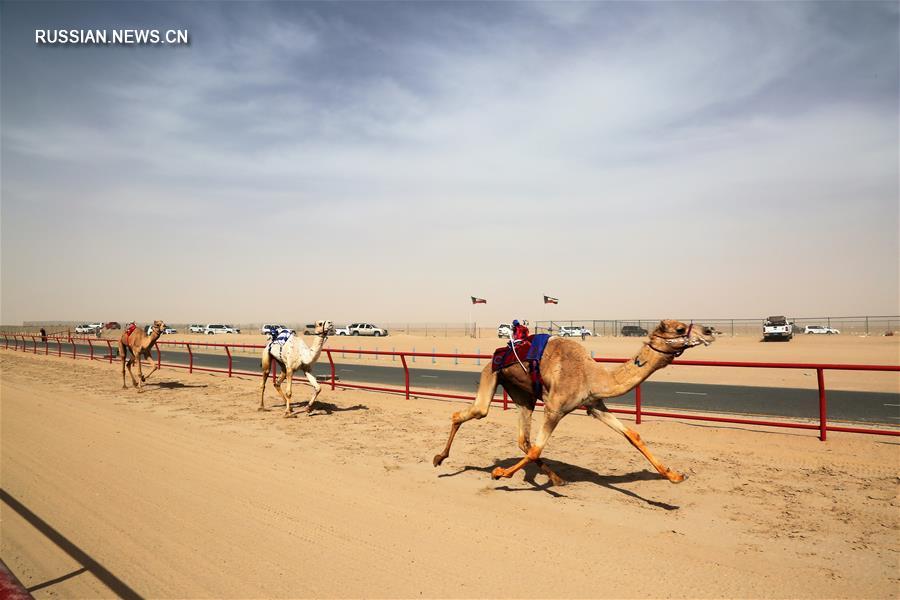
(188, 491)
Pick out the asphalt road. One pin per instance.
(865, 407)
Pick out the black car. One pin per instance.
(633, 331)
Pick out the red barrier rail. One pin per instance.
(638, 411)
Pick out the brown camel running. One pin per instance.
(573, 379)
(139, 344)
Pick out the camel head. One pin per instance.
(158, 327)
(324, 328)
(674, 337)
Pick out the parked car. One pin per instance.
(113, 325)
(341, 331)
(271, 328)
(86, 328)
(504, 330)
(309, 329)
(821, 329)
(574, 331)
(633, 331)
(216, 328)
(170, 330)
(366, 329)
(196, 328)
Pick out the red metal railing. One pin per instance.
(638, 412)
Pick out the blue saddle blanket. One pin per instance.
(283, 336)
(538, 344)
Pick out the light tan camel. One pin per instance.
(139, 344)
(293, 355)
(573, 379)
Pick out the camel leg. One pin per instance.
(123, 355)
(477, 410)
(316, 389)
(266, 364)
(139, 384)
(525, 404)
(129, 364)
(551, 420)
(288, 375)
(152, 362)
(635, 440)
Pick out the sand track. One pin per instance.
(188, 491)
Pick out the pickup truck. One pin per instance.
(361, 329)
(777, 328)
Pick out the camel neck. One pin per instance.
(627, 377)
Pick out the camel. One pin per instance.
(293, 355)
(573, 379)
(140, 344)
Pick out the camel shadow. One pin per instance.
(326, 408)
(172, 385)
(572, 474)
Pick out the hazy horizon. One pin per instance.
(385, 161)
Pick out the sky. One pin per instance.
(385, 161)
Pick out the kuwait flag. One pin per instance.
(549, 300)
(478, 300)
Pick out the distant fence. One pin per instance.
(103, 350)
(859, 325)
(864, 325)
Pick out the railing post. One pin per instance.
(34, 343)
(331, 362)
(91, 346)
(59, 346)
(15, 342)
(74, 347)
(823, 410)
(158, 357)
(405, 373)
(637, 405)
(190, 358)
(6, 341)
(109, 345)
(228, 352)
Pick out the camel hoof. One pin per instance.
(437, 460)
(261, 409)
(497, 473)
(289, 415)
(557, 481)
(675, 477)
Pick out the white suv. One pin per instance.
(574, 331)
(821, 329)
(196, 328)
(85, 328)
(365, 329)
(214, 328)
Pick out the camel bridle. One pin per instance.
(670, 341)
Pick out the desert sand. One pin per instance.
(187, 491)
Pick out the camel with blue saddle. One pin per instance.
(292, 353)
(566, 377)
